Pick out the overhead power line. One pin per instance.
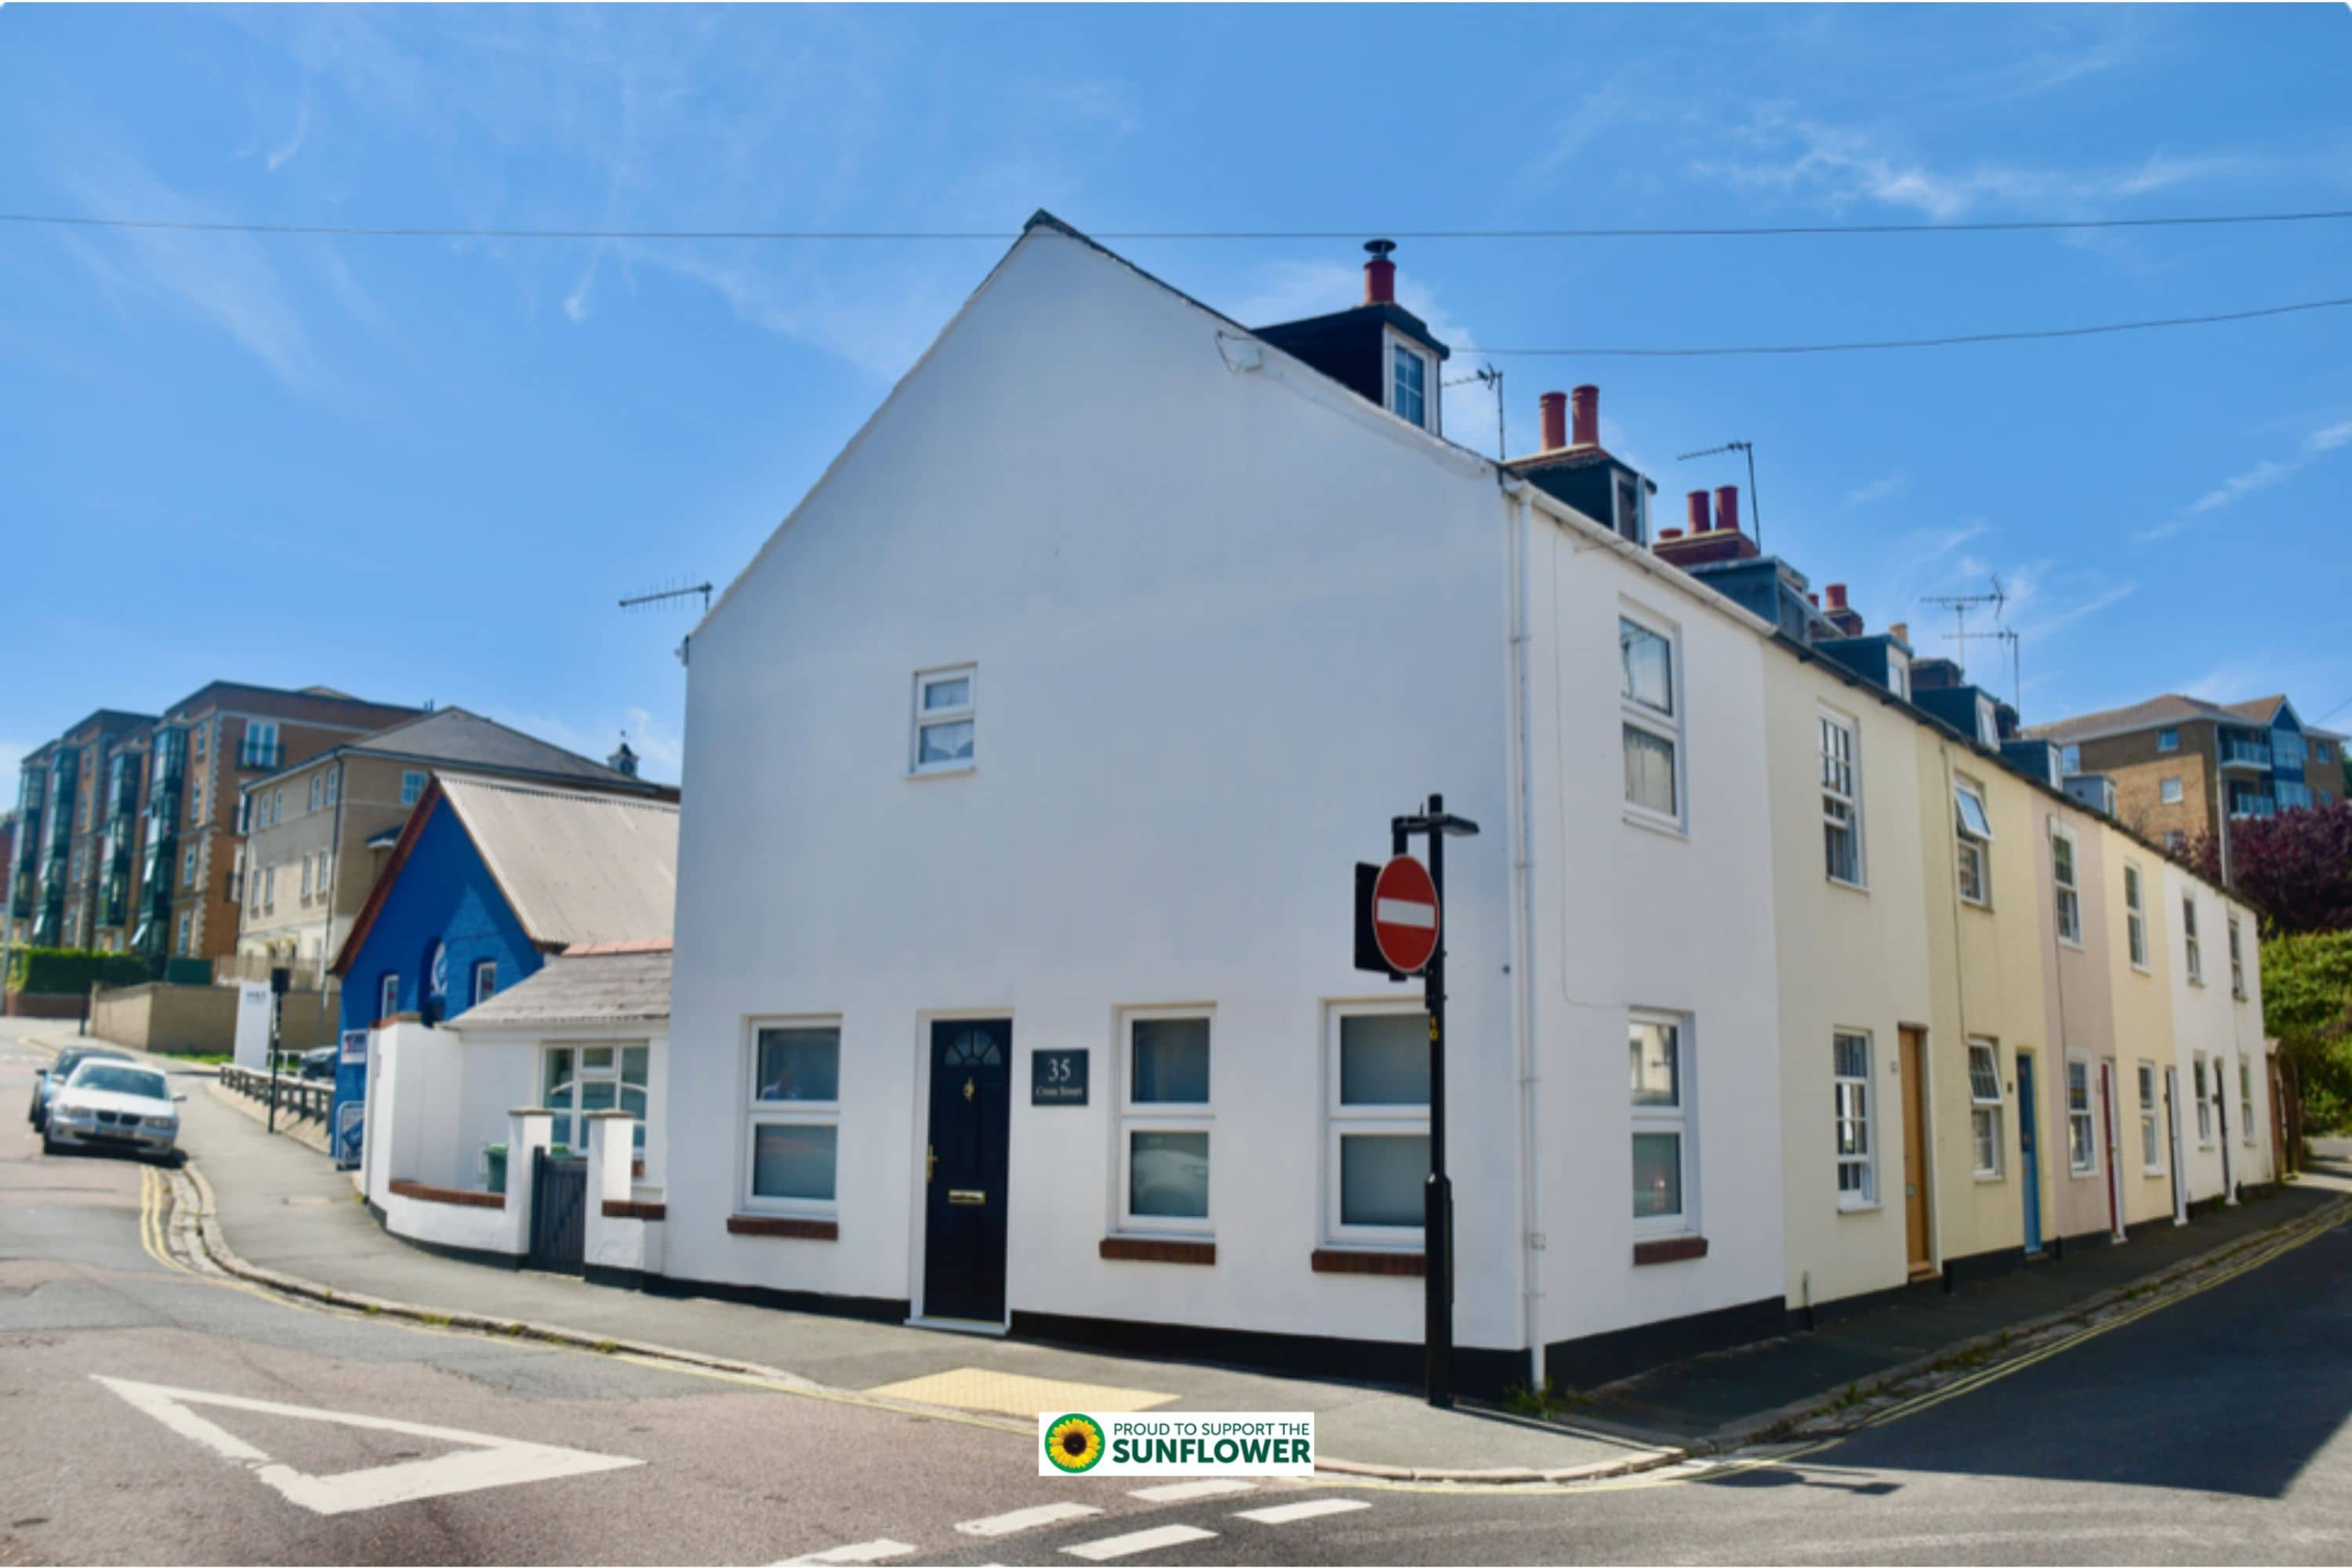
(1680, 231)
(1949, 340)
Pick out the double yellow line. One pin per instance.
(154, 1205)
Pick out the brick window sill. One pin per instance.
(1370, 1260)
(1669, 1249)
(1157, 1249)
(618, 1208)
(779, 1226)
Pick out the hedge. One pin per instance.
(72, 971)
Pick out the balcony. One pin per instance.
(2252, 756)
(2242, 807)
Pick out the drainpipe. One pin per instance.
(1519, 520)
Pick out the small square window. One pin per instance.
(945, 719)
(2168, 791)
(2167, 740)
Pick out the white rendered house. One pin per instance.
(1038, 744)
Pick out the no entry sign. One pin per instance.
(1404, 914)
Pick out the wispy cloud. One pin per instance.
(2251, 480)
(1893, 485)
(283, 154)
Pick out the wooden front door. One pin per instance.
(1914, 1152)
(972, 1120)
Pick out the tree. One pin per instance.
(2307, 1005)
(2296, 868)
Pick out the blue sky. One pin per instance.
(426, 469)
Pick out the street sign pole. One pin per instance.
(281, 981)
(1378, 921)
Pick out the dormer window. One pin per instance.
(1409, 383)
(1988, 724)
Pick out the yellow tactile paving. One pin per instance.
(1009, 1393)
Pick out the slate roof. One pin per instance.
(2169, 709)
(596, 987)
(576, 866)
(455, 739)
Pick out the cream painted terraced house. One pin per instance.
(318, 834)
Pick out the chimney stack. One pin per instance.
(1695, 508)
(1555, 420)
(1841, 615)
(1380, 273)
(1727, 508)
(1900, 631)
(1587, 400)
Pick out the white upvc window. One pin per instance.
(1665, 1195)
(1841, 799)
(1650, 706)
(2237, 962)
(1857, 1157)
(1974, 843)
(1987, 724)
(412, 785)
(1164, 1120)
(2246, 1101)
(314, 793)
(605, 1075)
(1412, 378)
(387, 995)
(2070, 761)
(486, 980)
(1984, 1107)
(2168, 791)
(2151, 1157)
(2062, 878)
(945, 715)
(2192, 955)
(1376, 1123)
(792, 1114)
(2134, 919)
(2204, 1101)
(334, 785)
(2167, 740)
(269, 890)
(2082, 1129)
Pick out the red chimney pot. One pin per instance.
(1555, 420)
(1380, 273)
(1695, 505)
(1814, 600)
(1837, 595)
(1726, 506)
(1588, 415)
(1670, 533)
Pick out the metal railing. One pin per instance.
(2245, 753)
(296, 1097)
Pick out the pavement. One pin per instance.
(157, 1413)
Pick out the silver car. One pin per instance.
(114, 1105)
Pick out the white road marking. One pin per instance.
(1185, 1491)
(1112, 1546)
(880, 1551)
(1398, 913)
(1314, 1508)
(484, 1461)
(1026, 1518)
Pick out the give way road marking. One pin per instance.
(484, 1461)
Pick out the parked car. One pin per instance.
(114, 1103)
(320, 1063)
(51, 1078)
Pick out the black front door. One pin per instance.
(971, 1119)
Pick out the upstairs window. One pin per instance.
(387, 995)
(945, 714)
(2134, 919)
(1408, 384)
(2069, 897)
(2246, 1101)
(412, 784)
(1975, 836)
(1988, 724)
(2070, 760)
(2204, 1101)
(260, 747)
(2237, 964)
(486, 980)
(2192, 955)
(1841, 802)
(1984, 1107)
(2167, 740)
(2169, 791)
(1652, 722)
(334, 787)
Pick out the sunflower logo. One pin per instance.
(1074, 1443)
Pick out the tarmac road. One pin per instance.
(2208, 1431)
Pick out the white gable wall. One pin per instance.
(1226, 623)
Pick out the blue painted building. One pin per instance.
(440, 935)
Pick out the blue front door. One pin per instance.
(2029, 1158)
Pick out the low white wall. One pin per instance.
(617, 1241)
